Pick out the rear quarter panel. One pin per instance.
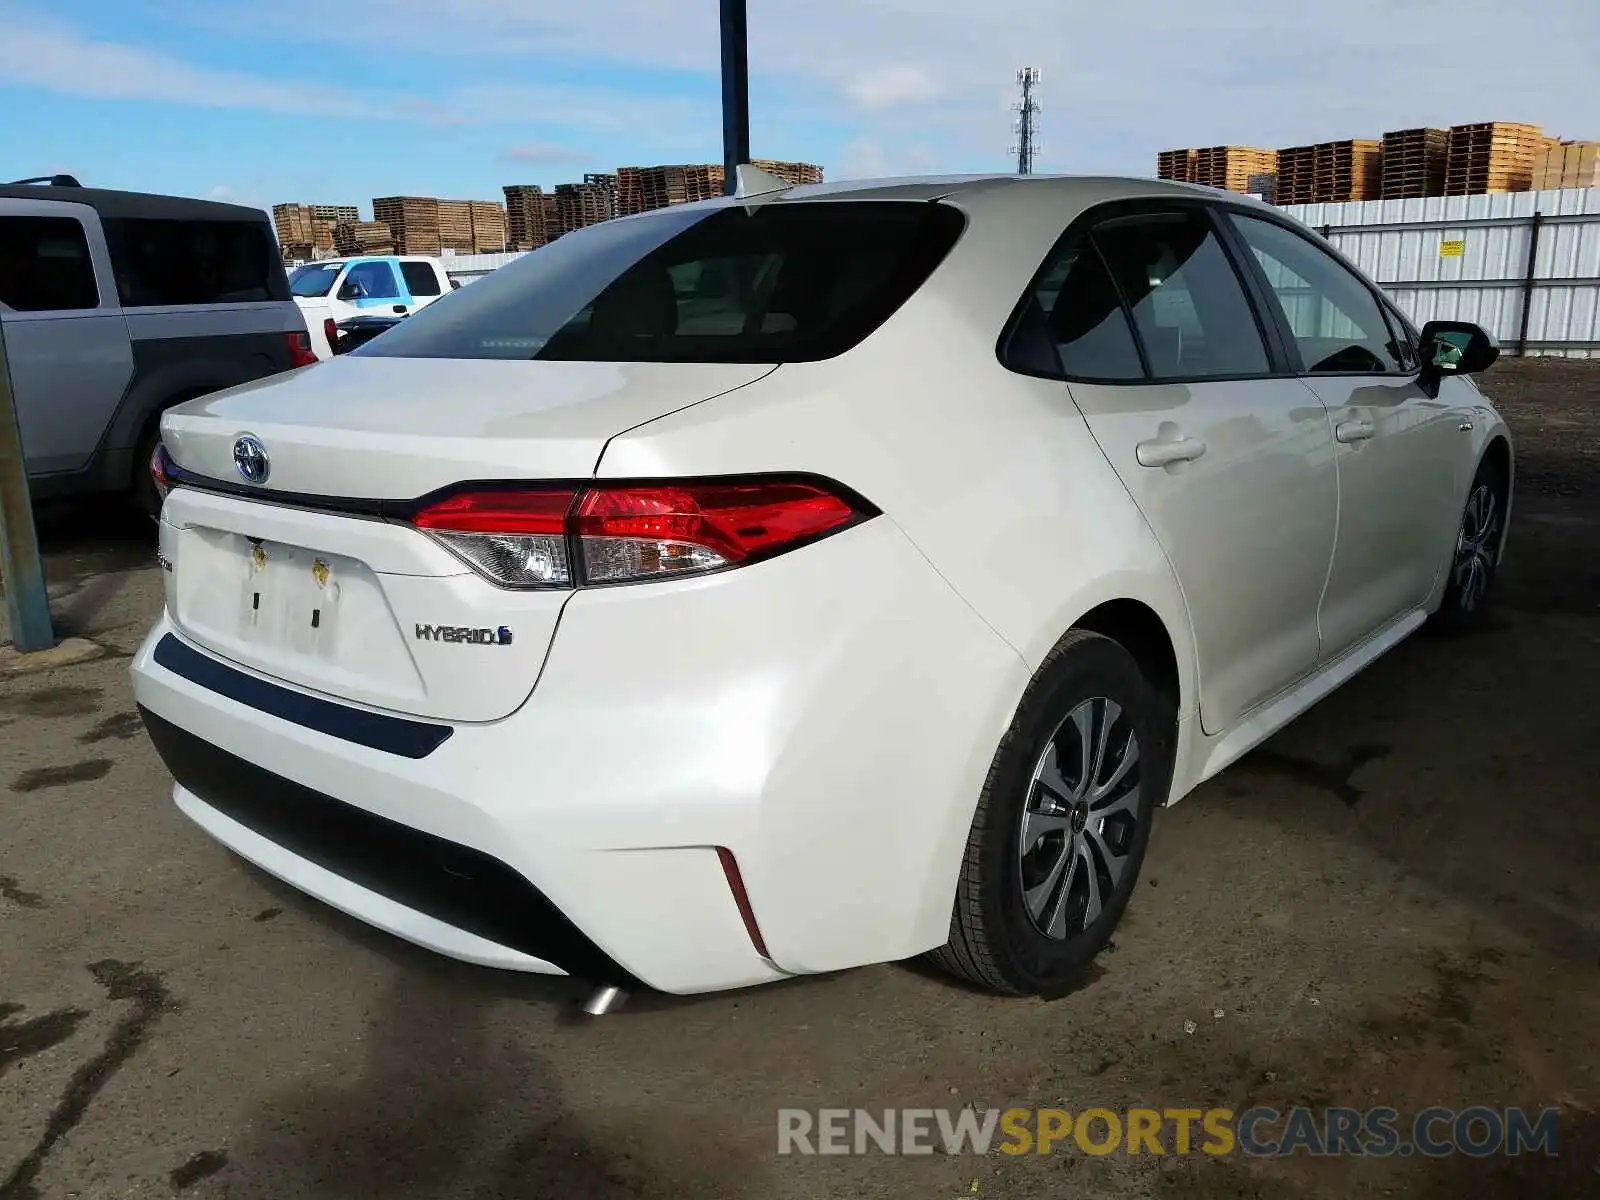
(993, 478)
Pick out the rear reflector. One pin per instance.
(621, 534)
(730, 868)
(300, 352)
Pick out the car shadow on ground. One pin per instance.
(442, 1107)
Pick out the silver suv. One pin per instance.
(115, 307)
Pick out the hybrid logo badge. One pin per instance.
(250, 456)
(464, 635)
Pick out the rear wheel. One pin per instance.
(1063, 822)
(1475, 562)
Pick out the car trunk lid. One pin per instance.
(305, 581)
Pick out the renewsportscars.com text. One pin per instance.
(1477, 1132)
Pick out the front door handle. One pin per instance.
(1159, 453)
(1354, 431)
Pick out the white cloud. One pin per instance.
(54, 58)
(862, 158)
(1120, 80)
(544, 154)
(888, 87)
(221, 192)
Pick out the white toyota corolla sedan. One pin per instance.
(822, 576)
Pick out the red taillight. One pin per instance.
(158, 471)
(628, 533)
(517, 539)
(300, 352)
(330, 331)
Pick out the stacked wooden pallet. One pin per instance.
(797, 173)
(1297, 175)
(525, 224)
(1349, 170)
(640, 189)
(581, 204)
(334, 213)
(1176, 164)
(1414, 163)
(1568, 165)
(1264, 185)
(1330, 172)
(322, 234)
(414, 221)
(364, 237)
(1494, 156)
(292, 223)
(1230, 167)
(294, 252)
(488, 226)
(455, 226)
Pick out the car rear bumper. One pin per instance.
(835, 747)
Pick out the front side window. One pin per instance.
(1333, 316)
(420, 279)
(1186, 300)
(173, 262)
(314, 279)
(782, 282)
(45, 265)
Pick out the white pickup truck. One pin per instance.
(337, 289)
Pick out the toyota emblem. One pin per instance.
(250, 456)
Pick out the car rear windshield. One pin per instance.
(783, 282)
(313, 279)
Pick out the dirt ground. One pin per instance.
(1393, 902)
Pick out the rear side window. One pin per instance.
(784, 282)
(369, 281)
(161, 262)
(45, 265)
(1078, 311)
(1188, 305)
(420, 279)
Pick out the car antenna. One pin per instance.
(751, 183)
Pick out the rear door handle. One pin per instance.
(1354, 431)
(1158, 453)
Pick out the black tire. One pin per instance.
(995, 940)
(1474, 562)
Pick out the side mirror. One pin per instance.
(350, 290)
(1454, 348)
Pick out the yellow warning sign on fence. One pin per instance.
(1452, 249)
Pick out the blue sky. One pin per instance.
(269, 102)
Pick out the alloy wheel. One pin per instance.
(1079, 819)
(1475, 546)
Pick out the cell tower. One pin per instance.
(1026, 126)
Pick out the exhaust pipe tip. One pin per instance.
(603, 1000)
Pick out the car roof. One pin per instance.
(361, 258)
(1049, 188)
(114, 204)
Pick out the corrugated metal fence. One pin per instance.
(1524, 265)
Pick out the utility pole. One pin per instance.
(1026, 125)
(735, 93)
(21, 572)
